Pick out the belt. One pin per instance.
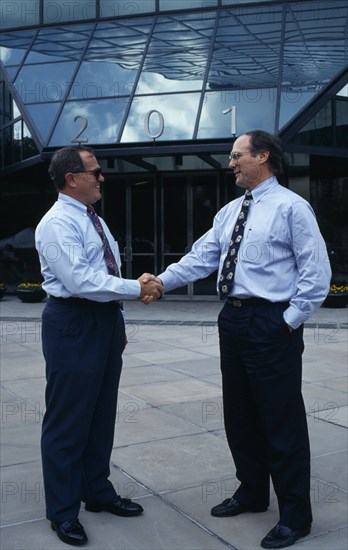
(81, 301)
(237, 302)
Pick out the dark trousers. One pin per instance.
(82, 345)
(265, 418)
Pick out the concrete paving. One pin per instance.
(170, 451)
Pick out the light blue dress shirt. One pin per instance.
(282, 256)
(72, 259)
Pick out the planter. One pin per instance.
(336, 300)
(30, 296)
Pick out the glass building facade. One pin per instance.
(160, 88)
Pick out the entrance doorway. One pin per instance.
(157, 217)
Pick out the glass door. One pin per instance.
(188, 205)
(129, 209)
(174, 236)
(141, 240)
(205, 199)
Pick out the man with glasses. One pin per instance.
(83, 338)
(273, 273)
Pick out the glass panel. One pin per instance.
(170, 259)
(69, 10)
(15, 109)
(117, 8)
(19, 13)
(254, 109)
(45, 82)
(190, 162)
(111, 38)
(62, 44)
(29, 147)
(112, 60)
(174, 209)
(234, 2)
(7, 106)
(143, 217)
(246, 49)
(179, 115)
(103, 79)
(175, 235)
(204, 204)
(12, 144)
(344, 91)
(292, 100)
(186, 4)
(204, 201)
(329, 199)
(88, 122)
(341, 122)
(142, 264)
(152, 81)
(315, 43)
(318, 131)
(178, 54)
(114, 209)
(17, 141)
(42, 116)
(11, 72)
(14, 46)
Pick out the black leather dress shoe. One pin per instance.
(70, 532)
(231, 507)
(281, 536)
(119, 506)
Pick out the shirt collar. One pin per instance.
(66, 199)
(264, 188)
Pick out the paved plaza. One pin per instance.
(170, 452)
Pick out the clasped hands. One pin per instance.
(151, 288)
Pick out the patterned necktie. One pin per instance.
(229, 266)
(108, 255)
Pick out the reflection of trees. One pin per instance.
(29, 147)
(18, 149)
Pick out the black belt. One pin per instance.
(81, 301)
(237, 302)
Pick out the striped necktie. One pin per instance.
(108, 255)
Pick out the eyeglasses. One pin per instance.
(236, 156)
(96, 173)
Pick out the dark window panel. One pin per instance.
(292, 100)
(341, 105)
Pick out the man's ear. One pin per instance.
(70, 180)
(264, 156)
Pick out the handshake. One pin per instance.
(151, 288)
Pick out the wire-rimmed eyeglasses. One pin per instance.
(236, 156)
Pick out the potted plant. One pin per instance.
(30, 292)
(337, 296)
(2, 290)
